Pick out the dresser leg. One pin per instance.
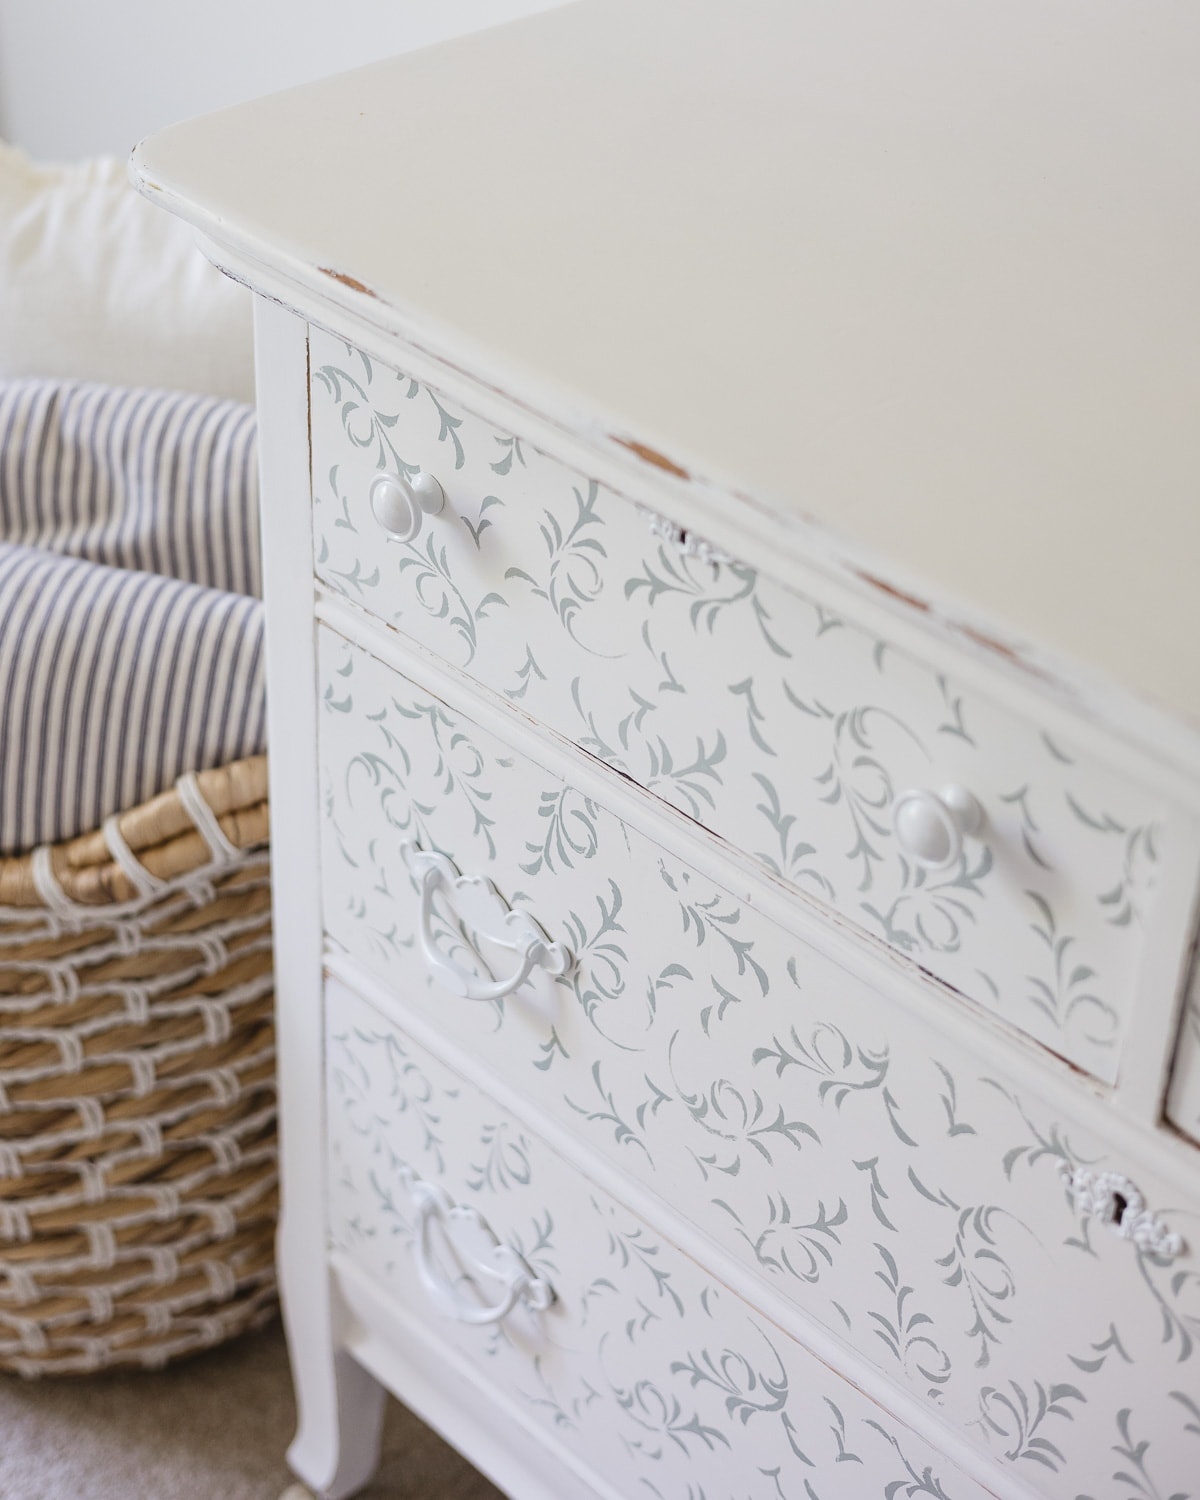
(339, 1405)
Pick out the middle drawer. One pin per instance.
(878, 1177)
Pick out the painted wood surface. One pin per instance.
(897, 1189)
(657, 1377)
(922, 277)
(1183, 1098)
(764, 714)
(339, 1406)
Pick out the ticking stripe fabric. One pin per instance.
(130, 637)
(160, 481)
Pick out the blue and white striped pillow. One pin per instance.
(130, 640)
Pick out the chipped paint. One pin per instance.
(1009, 653)
(894, 593)
(991, 644)
(354, 285)
(649, 456)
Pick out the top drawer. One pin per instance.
(780, 726)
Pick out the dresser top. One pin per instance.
(924, 273)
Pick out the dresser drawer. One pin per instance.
(879, 1178)
(781, 727)
(647, 1370)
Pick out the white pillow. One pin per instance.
(97, 284)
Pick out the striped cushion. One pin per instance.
(114, 679)
(155, 480)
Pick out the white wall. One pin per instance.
(84, 77)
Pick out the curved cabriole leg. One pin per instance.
(339, 1405)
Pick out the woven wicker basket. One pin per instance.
(138, 1162)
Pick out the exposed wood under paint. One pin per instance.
(648, 455)
(348, 281)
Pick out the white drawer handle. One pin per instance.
(483, 912)
(465, 1230)
(930, 826)
(400, 504)
(1117, 1202)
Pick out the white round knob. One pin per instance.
(930, 826)
(400, 504)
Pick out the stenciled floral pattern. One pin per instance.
(855, 1163)
(753, 709)
(659, 1379)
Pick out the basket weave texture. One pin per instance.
(138, 1163)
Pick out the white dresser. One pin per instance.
(731, 535)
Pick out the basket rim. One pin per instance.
(169, 837)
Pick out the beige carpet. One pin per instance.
(211, 1428)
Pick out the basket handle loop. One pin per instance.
(45, 881)
(143, 882)
(222, 851)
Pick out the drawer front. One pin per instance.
(883, 1181)
(659, 1380)
(783, 728)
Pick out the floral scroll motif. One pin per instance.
(861, 1170)
(759, 712)
(656, 1377)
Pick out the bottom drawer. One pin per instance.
(656, 1378)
